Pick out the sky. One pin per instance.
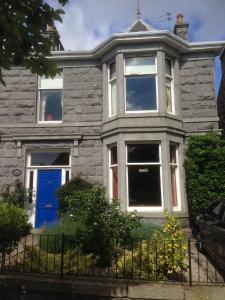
(86, 23)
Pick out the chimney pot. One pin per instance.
(180, 19)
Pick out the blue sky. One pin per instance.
(88, 22)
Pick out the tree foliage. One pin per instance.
(205, 171)
(22, 42)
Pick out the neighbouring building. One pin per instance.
(221, 96)
(118, 115)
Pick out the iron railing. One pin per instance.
(151, 260)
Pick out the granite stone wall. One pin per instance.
(197, 93)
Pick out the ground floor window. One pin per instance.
(174, 173)
(113, 172)
(144, 175)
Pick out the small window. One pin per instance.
(169, 86)
(112, 90)
(113, 172)
(174, 173)
(140, 78)
(50, 159)
(50, 98)
(144, 175)
(31, 183)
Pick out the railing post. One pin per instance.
(62, 256)
(189, 262)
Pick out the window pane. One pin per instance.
(174, 185)
(67, 176)
(50, 106)
(113, 98)
(31, 179)
(51, 83)
(141, 93)
(173, 151)
(115, 182)
(143, 153)
(169, 94)
(168, 67)
(113, 150)
(140, 65)
(50, 159)
(144, 185)
(112, 70)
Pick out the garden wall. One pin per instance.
(40, 288)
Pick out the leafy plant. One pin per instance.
(160, 257)
(16, 194)
(205, 172)
(13, 226)
(65, 192)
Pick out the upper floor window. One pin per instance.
(169, 86)
(140, 80)
(112, 90)
(50, 98)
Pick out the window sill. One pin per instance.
(50, 122)
(145, 209)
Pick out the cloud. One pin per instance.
(87, 22)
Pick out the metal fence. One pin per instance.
(151, 260)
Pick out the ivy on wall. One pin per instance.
(205, 171)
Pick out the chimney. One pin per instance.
(181, 28)
(52, 31)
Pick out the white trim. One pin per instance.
(31, 207)
(171, 77)
(110, 81)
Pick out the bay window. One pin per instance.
(140, 81)
(113, 165)
(144, 175)
(112, 90)
(50, 99)
(169, 86)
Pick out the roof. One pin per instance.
(139, 25)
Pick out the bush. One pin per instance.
(159, 257)
(64, 193)
(100, 221)
(51, 238)
(145, 231)
(16, 194)
(13, 226)
(205, 172)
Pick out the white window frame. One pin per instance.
(177, 174)
(110, 169)
(141, 74)
(31, 207)
(110, 81)
(171, 78)
(144, 208)
(39, 101)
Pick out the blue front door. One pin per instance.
(48, 181)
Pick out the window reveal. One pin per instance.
(144, 172)
(112, 90)
(174, 173)
(169, 86)
(114, 172)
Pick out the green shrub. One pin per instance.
(161, 257)
(13, 226)
(145, 231)
(51, 238)
(16, 194)
(205, 172)
(64, 193)
(103, 222)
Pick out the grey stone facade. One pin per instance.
(87, 130)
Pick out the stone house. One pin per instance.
(118, 115)
(221, 96)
